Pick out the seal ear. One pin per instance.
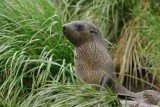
(93, 31)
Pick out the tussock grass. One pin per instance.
(33, 51)
(59, 95)
(138, 51)
(150, 46)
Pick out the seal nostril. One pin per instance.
(63, 27)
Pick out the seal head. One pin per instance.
(80, 32)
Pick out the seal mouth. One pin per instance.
(66, 31)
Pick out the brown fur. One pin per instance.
(93, 63)
(91, 57)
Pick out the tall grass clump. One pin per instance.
(36, 62)
(60, 95)
(150, 44)
(138, 48)
(33, 53)
(32, 50)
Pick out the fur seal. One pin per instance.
(93, 63)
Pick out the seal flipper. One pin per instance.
(124, 96)
(106, 83)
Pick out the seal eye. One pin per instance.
(79, 27)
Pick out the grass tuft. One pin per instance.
(58, 95)
(33, 51)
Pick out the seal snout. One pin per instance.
(63, 27)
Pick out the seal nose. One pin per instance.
(63, 27)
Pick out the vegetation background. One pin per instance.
(36, 61)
